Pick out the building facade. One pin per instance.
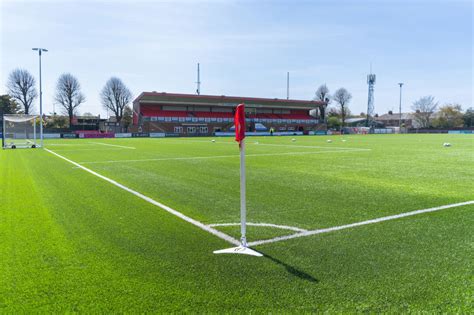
(393, 120)
(193, 115)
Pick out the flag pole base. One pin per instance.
(243, 250)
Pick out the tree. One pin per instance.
(8, 105)
(424, 109)
(88, 114)
(468, 117)
(334, 122)
(449, 116)
(333, 112)
(336, 112)
(21, 87)
(69, 95)
(57, 121)
(127, 117)
(322, 95)
(115, 96)
(342, 97)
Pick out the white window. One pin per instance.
(191, 129)
(178, 129)
(202, 129)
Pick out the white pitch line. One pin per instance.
(277, 226)
(221, 156)
(113, 145)
(310, 146)
(61, 144)
(275, 145)
(95, 149)
(178, 141)
(200, 225)
(347, 226)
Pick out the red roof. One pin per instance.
(216, 99)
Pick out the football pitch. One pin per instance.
(130, 225)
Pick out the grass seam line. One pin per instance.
(176, 213)
(347, 226)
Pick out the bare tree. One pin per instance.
(424, 109)
(115, 96)
(69, 95)
(342, 97)
(21, 87)
(322, 95)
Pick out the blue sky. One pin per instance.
(246, 47)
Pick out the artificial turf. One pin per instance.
(71, 241)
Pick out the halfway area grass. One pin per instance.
(72, 242)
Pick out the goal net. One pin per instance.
(20, 131)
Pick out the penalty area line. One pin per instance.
(347, 226)
(176, 213)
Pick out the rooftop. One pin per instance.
(354, 120)
(395, 116)
(223, 100)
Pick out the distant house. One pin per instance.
(393, 120)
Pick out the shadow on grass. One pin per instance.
(296, 272)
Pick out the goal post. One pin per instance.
(20, 131)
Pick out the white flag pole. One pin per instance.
(243, 248)
(243, 206)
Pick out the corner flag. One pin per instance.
(239, 122)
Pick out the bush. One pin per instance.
(334, 122)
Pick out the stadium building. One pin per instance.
(193, 115)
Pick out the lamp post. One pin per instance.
(40, 50)
(400, 108)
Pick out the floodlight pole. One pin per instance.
(41, 94)
(400, 107)
(198, 90)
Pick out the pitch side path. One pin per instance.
(371, 223)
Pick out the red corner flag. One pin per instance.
(239, 121)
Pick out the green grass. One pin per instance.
(70, 241)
